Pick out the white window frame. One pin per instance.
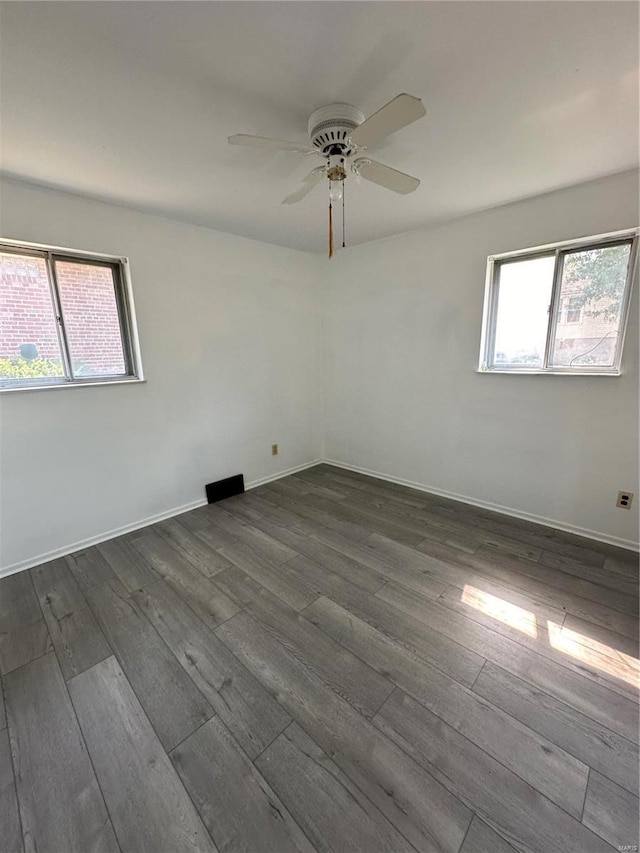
(126, 315)
(490, 310)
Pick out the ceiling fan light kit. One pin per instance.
(339, 133)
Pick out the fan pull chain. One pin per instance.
(343, 189)
(330, 225)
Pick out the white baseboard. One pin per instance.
(136, 525)
(153, 519)
(95, 540)
(598, 536)
(261, 482)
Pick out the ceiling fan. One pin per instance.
(339, 133)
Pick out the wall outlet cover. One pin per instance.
(624, 500)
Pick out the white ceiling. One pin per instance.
(132, 102)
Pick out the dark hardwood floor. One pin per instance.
(325, 663)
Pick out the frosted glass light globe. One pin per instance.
(335, 191)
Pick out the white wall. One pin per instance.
(230, 338)
(402, 395)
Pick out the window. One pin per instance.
(574, 309)
(560, 308)
(65, 319)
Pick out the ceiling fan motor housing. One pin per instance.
(330, 127)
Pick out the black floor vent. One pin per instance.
(225, 488)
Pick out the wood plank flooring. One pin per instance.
(328, 662)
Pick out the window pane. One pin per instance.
(591, 293)
(88, 297)
(522, 319)
(29, 345)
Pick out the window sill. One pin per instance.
(549, 372)
(133, 380)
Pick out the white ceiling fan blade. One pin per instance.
(313, 178)
(385, 176)
(272, 144)
(398, 113)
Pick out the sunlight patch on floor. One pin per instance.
(594, 653)
(580, 647)
(516, 617)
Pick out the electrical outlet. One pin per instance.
(274, 449)
(624, 499)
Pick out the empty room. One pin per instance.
(319, 419)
